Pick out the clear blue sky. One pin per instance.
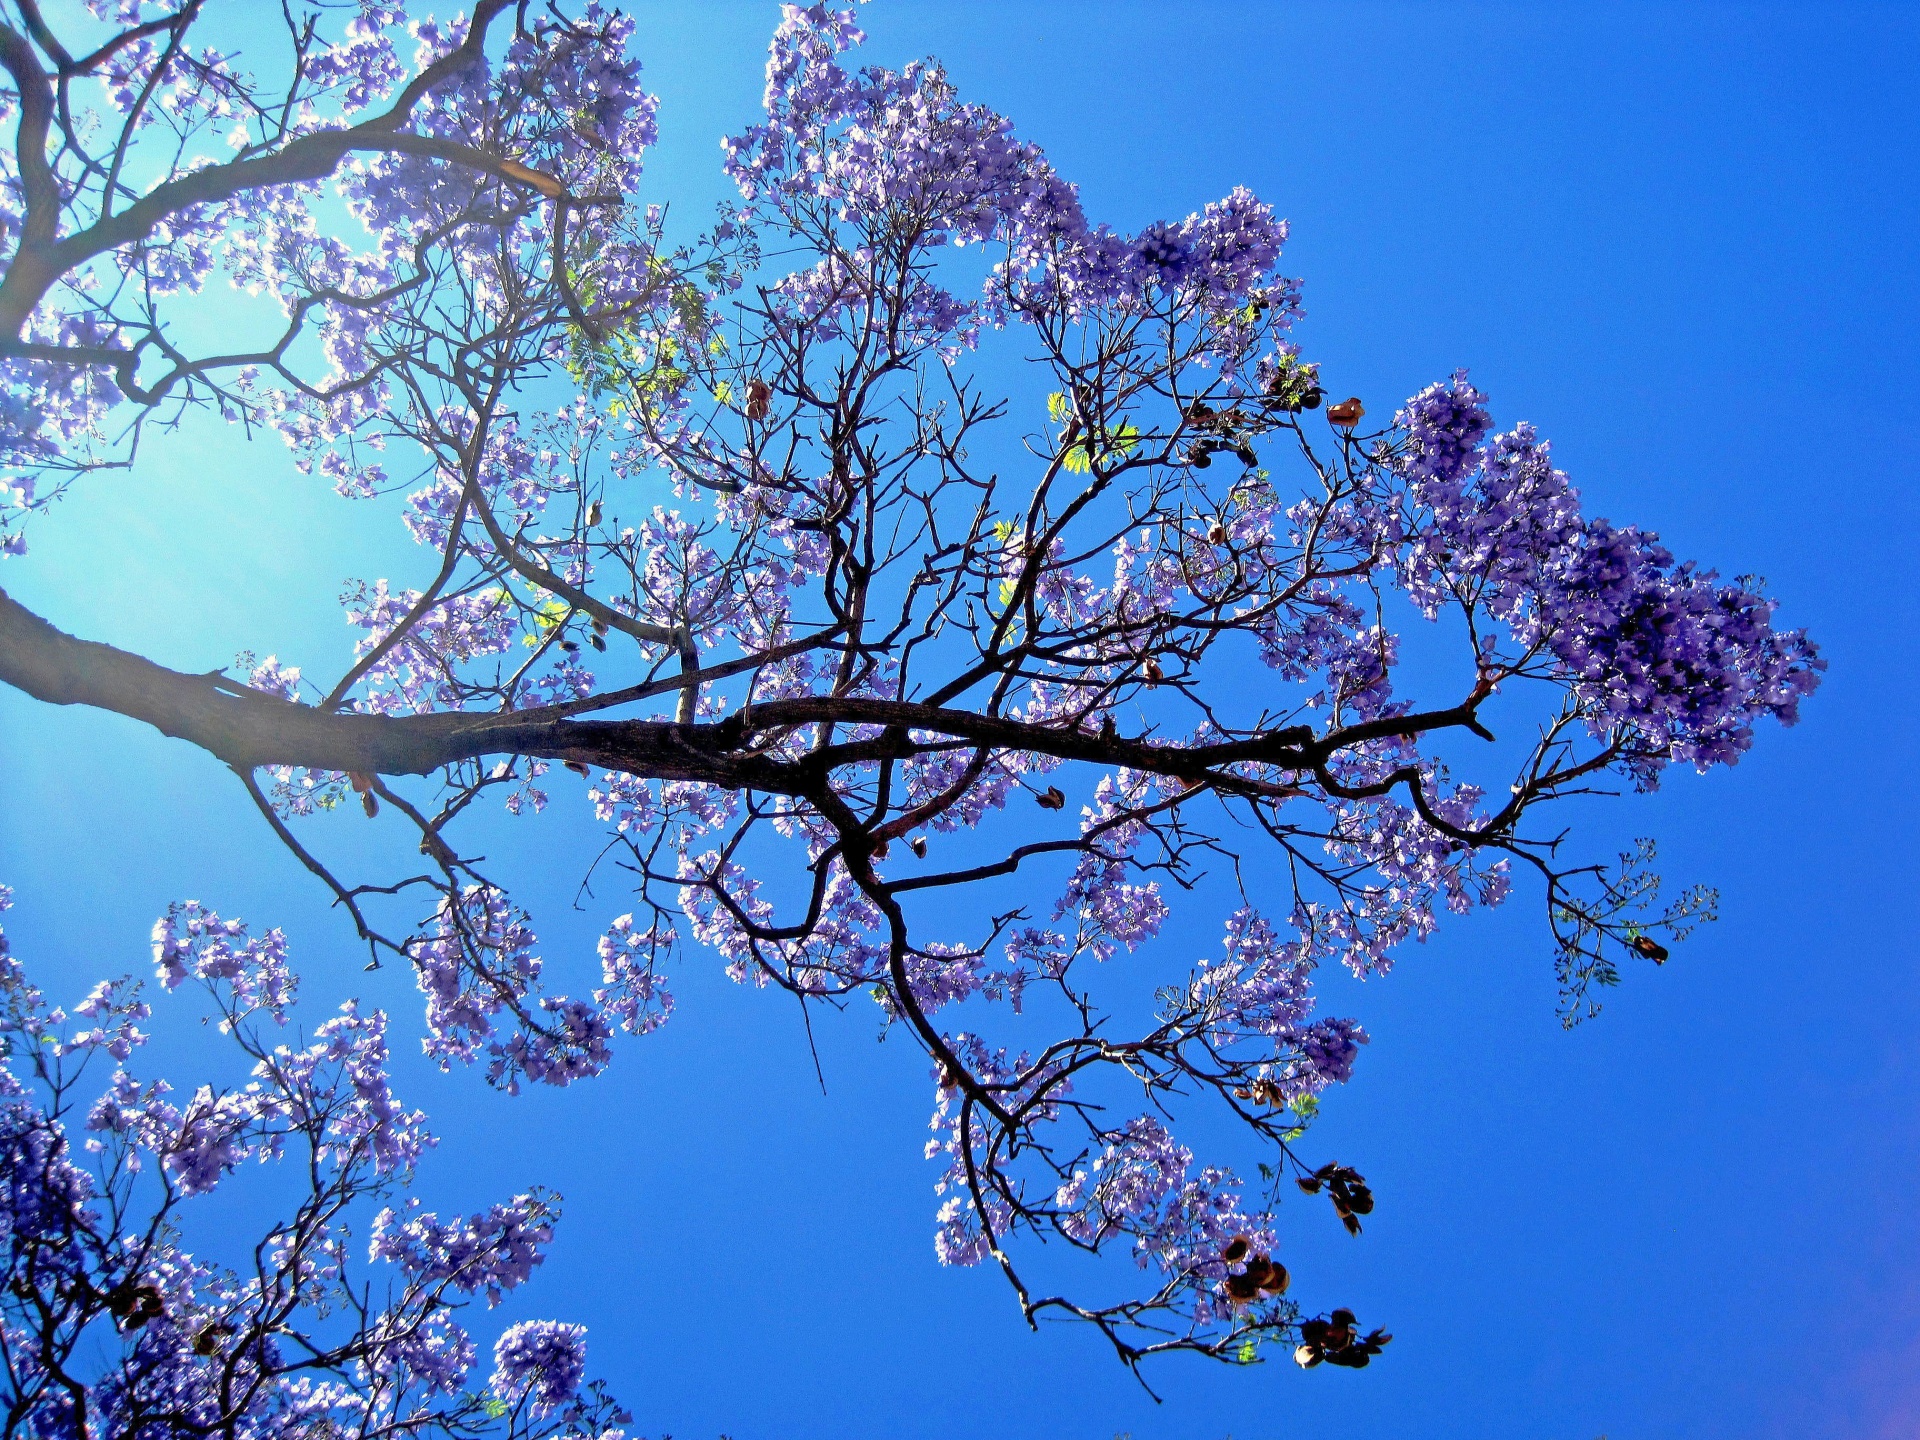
(1678, 238)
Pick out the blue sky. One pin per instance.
(1677, 238)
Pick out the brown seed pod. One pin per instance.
(145, 1306)
(1276, 1280)
(370, 803)
(546, 184)
(1236, 1250)
(1242, 1289)
(759, 398)
(578, 767)
(1151, 669)
(360, 780)
(593, 518)
(1051, 799)
(1216, 534)
(1651, 948)
(918, 844)
(1352, 1222)
(1309, 1183)
(1347, 413)
(1307, 1356)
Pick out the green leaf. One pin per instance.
(1057, 409)
(546, 619)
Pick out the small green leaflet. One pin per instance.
(1122, 441)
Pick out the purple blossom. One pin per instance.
(542, 1359)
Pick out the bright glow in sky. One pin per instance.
(1680, 240)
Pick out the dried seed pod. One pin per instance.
(599, 626)
(1216, 534)
(1051, 799)
(1339, 1329)
(1309, 1183)
(593, 515)
(142, 1304)
(1276, 1279)
(759, 398)
(207, 1341)
(1311, 400)
(1651, 948)
(360, 780)
(1236, 1250)
(918, 844)
(597, 642)
(1199, 455)
(577, 766)
(1151, 669)
(1242, 1289)
(370, 803)
(1347, 413)
(1352, 1222)
(1307, 1356)
(546, 184)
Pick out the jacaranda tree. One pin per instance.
(889, 687)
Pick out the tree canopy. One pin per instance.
(891, 688)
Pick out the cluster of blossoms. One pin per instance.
(1657, 654)
(112, 1327)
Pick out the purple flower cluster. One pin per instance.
(541, 1359)
(1661, 657)
(492, 1252)
(110, 1321)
